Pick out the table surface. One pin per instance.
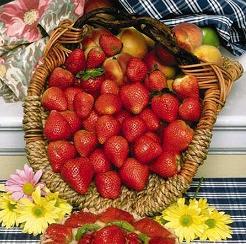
(226, 194)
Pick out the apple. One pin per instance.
(164, 55)
(188, 36)
(209, 54)
(133, 42)
(113, 70)
(210, 37)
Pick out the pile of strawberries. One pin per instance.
(113, 226)
(116, 133)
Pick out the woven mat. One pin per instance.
(226, 194)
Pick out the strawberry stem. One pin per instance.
(90, 73)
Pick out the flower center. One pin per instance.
(38, 211)
(186, 220)
(11, 206)
(28, 189)
(210, 223)
(30, 16)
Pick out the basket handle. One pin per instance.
(153, 28)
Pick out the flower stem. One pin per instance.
(198, 187)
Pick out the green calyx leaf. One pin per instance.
(90, 73)
(144, 238)
(84, 229)
(123, 225)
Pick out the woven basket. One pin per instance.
(216, 83)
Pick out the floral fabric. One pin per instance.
(22, 39)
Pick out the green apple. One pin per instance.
(210, 37)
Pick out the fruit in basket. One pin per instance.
(164, 55)
(61, 78)
(70, 94)
(165, 106)
(116, 149)
(136, 70)
(209, 54)
(75, 61)
(109, 86)
(177, 136)
(166, 165)
(99, 161)
(155, 81)
(59, 152)
(108, 184)
(56, 127)
(210, 36)
(112, 226)
(54, 99)
(186, 86)
(90, 122)
(73, 120)
(95, 58)
(189, 36)
(110, 44)
(134, 42)
(190, 109)
(83, 104)
(134, 174)
(151, 120)
(78, 174)
(95, 4)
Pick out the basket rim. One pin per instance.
(170, 189)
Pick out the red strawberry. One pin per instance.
(77, 219)
(58, 233)
(90, 122)
(88, 43)
(109, 86)
(56, 127)
(116, 149)
(92, 84)
(155, 81)
(146, 149)
(132, 238)
(106, 127)
(136, 69)
(161, 240)
(73, 120)
(133, 127)
(186, 86)
(108, 104)
(108, 184)
(152, 61)
(83, 104)
(78, 174)
(177, 136)
(86, 239)
(99, 161)
(54, 99)
(95, 58)
(134, 174)
(153, 136)
(114, 214)
(109, 234)
(110, 44)
(165, 106)
(61, 78)
(150, 119)
(122, 115)
(75, 61)
(166, 165)
(190, 109)
(59, 152)
(164, 55)
(70, 93)
(151, 228)
(85, 142)
(134, 97)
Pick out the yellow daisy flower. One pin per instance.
(202, 204)
(8, 214)
(217, 226)
(185, 220)
(35, 215)
(62, 206)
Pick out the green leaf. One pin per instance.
(90, 73)
(144, 238)
(84, 229)
(124, 225)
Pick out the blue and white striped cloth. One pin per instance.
(227, 16)
(226, 194)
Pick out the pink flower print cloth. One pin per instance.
(21, 40)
